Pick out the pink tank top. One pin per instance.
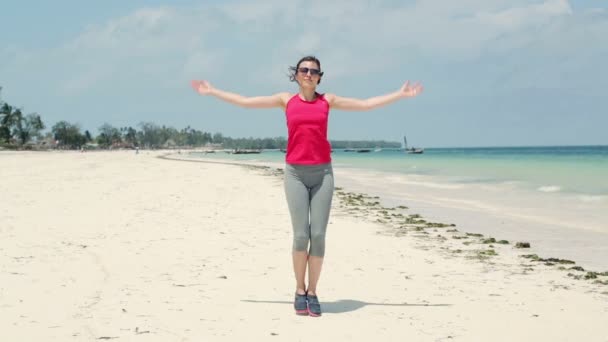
(307, 142)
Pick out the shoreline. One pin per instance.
(519, 218)
(401, 223)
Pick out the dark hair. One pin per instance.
(293, 70)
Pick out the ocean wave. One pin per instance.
(591, 198)
(549, 188)
(436, 185)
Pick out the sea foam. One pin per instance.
(549, 188)
(591, 198)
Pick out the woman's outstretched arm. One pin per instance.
(345, 103)
(276, 100)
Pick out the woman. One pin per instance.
(309, 182)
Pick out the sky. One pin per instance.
(495, 72)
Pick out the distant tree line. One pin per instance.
(25, 131)
(18, 127)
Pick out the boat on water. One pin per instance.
(358, 150)
(411, 150)
(237, 151)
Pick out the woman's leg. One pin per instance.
(320, 206)
(298, 201)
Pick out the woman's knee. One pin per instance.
(317, 244)
(300, 243)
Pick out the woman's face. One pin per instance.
(308, 75)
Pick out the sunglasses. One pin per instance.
(313, 72)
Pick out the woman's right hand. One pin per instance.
(201, 87)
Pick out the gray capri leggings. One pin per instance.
(309, 190)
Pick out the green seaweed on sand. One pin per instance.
(558, 261)
(439, 225)
(483, 254)
(493, 240)
(363, 205)
(534, 257)
(591, 275)
(475, 234)
(575, 276)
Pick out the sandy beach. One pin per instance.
(131, 247)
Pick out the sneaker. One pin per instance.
(314, 307)
(300, 305)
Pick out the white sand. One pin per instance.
(125, 247)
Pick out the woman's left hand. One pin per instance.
(408, 90)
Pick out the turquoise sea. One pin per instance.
(570, 169)
(553, 197)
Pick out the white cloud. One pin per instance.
(157, 45)
(519, 18)
(166, 45)
(259, 11)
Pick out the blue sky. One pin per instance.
(496, 72)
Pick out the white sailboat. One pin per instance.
(413, 150)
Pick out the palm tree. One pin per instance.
(29, 127)
(68, 135)
(8, 118)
